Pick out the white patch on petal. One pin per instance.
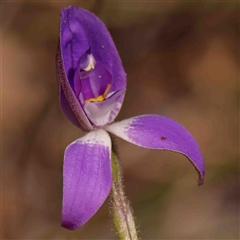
(103, 113)
(91, 63)
(120, 128)
(99, 136)
(99, 116)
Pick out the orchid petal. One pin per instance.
(69, 104)
(102, 113)
(67, 111)
(82, 37)
(88, 31)
(87, 178)
(157, 132)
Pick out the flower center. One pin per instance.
(101, 97)
(92, 81)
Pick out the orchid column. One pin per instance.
(92, 85)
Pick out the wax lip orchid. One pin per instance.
(92, 85)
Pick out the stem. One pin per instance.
(121, 211)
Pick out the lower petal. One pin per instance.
(87, 178)
(156, 132)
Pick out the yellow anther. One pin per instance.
(100, 98)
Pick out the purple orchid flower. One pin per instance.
(92, 85)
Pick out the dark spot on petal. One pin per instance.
(163, 138)
(69, 225)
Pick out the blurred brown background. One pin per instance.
(182, 61)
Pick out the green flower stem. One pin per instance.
(121, 211)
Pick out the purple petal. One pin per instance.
(82, 33)
(81, 30)
(156, 132)
(87, 178)
(66, 109)
(69, 104)
(73, 40)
